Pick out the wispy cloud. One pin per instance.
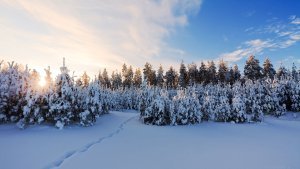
(96, 33)
(280, 35)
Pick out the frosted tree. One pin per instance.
(159, 110)
(4, 88)
(145, 97)
(32, 101)
(222, 112)
(90, 104)
(253, 100)
(61, 101)
(210, 102)
(238, 107)
(295, 95)
(187, 109)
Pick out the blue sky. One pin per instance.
(93, 35)
(222, 27)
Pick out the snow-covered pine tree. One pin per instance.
(146, 96)
(223, 108)
(295, 95)
(61, 101)
(187, 109)
(238, 106)
(17, 83)
(91, 104)
(159, 110)
(253, 100)
(4, 86)
(210, 102)
(32, 101)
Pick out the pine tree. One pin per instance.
(223, 108)
(252, 69)
(202, 74)
(236, 73)
(60, 102)
(160, 77)
(116, 80)
(106, 80)
(268, 71)
(85, 80)
(187, 109)
(171, 78)
(158, 112)
(211, 76)
(192, 74)
(137, 79)
(222, 72)
(281, 72)
(183, 76)
(238, 109)
(294, 72)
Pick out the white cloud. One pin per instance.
(296, 21)
(96, 34)
(281, 35)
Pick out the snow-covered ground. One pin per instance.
(120, 141)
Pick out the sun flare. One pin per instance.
(42, 82)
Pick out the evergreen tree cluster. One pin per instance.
(190, 96)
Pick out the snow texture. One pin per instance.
(119, 140)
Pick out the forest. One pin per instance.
(194, 94)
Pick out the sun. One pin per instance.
(42, 82)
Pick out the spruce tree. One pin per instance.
(268, 71)
(137, 79)
(171, 78)
(222, 71)
(192, 74)
(211, 76)
(160, 77)
(252, 70)
(183, 76)
(202, 74)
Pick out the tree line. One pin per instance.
(191, 74)
(170, 98)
